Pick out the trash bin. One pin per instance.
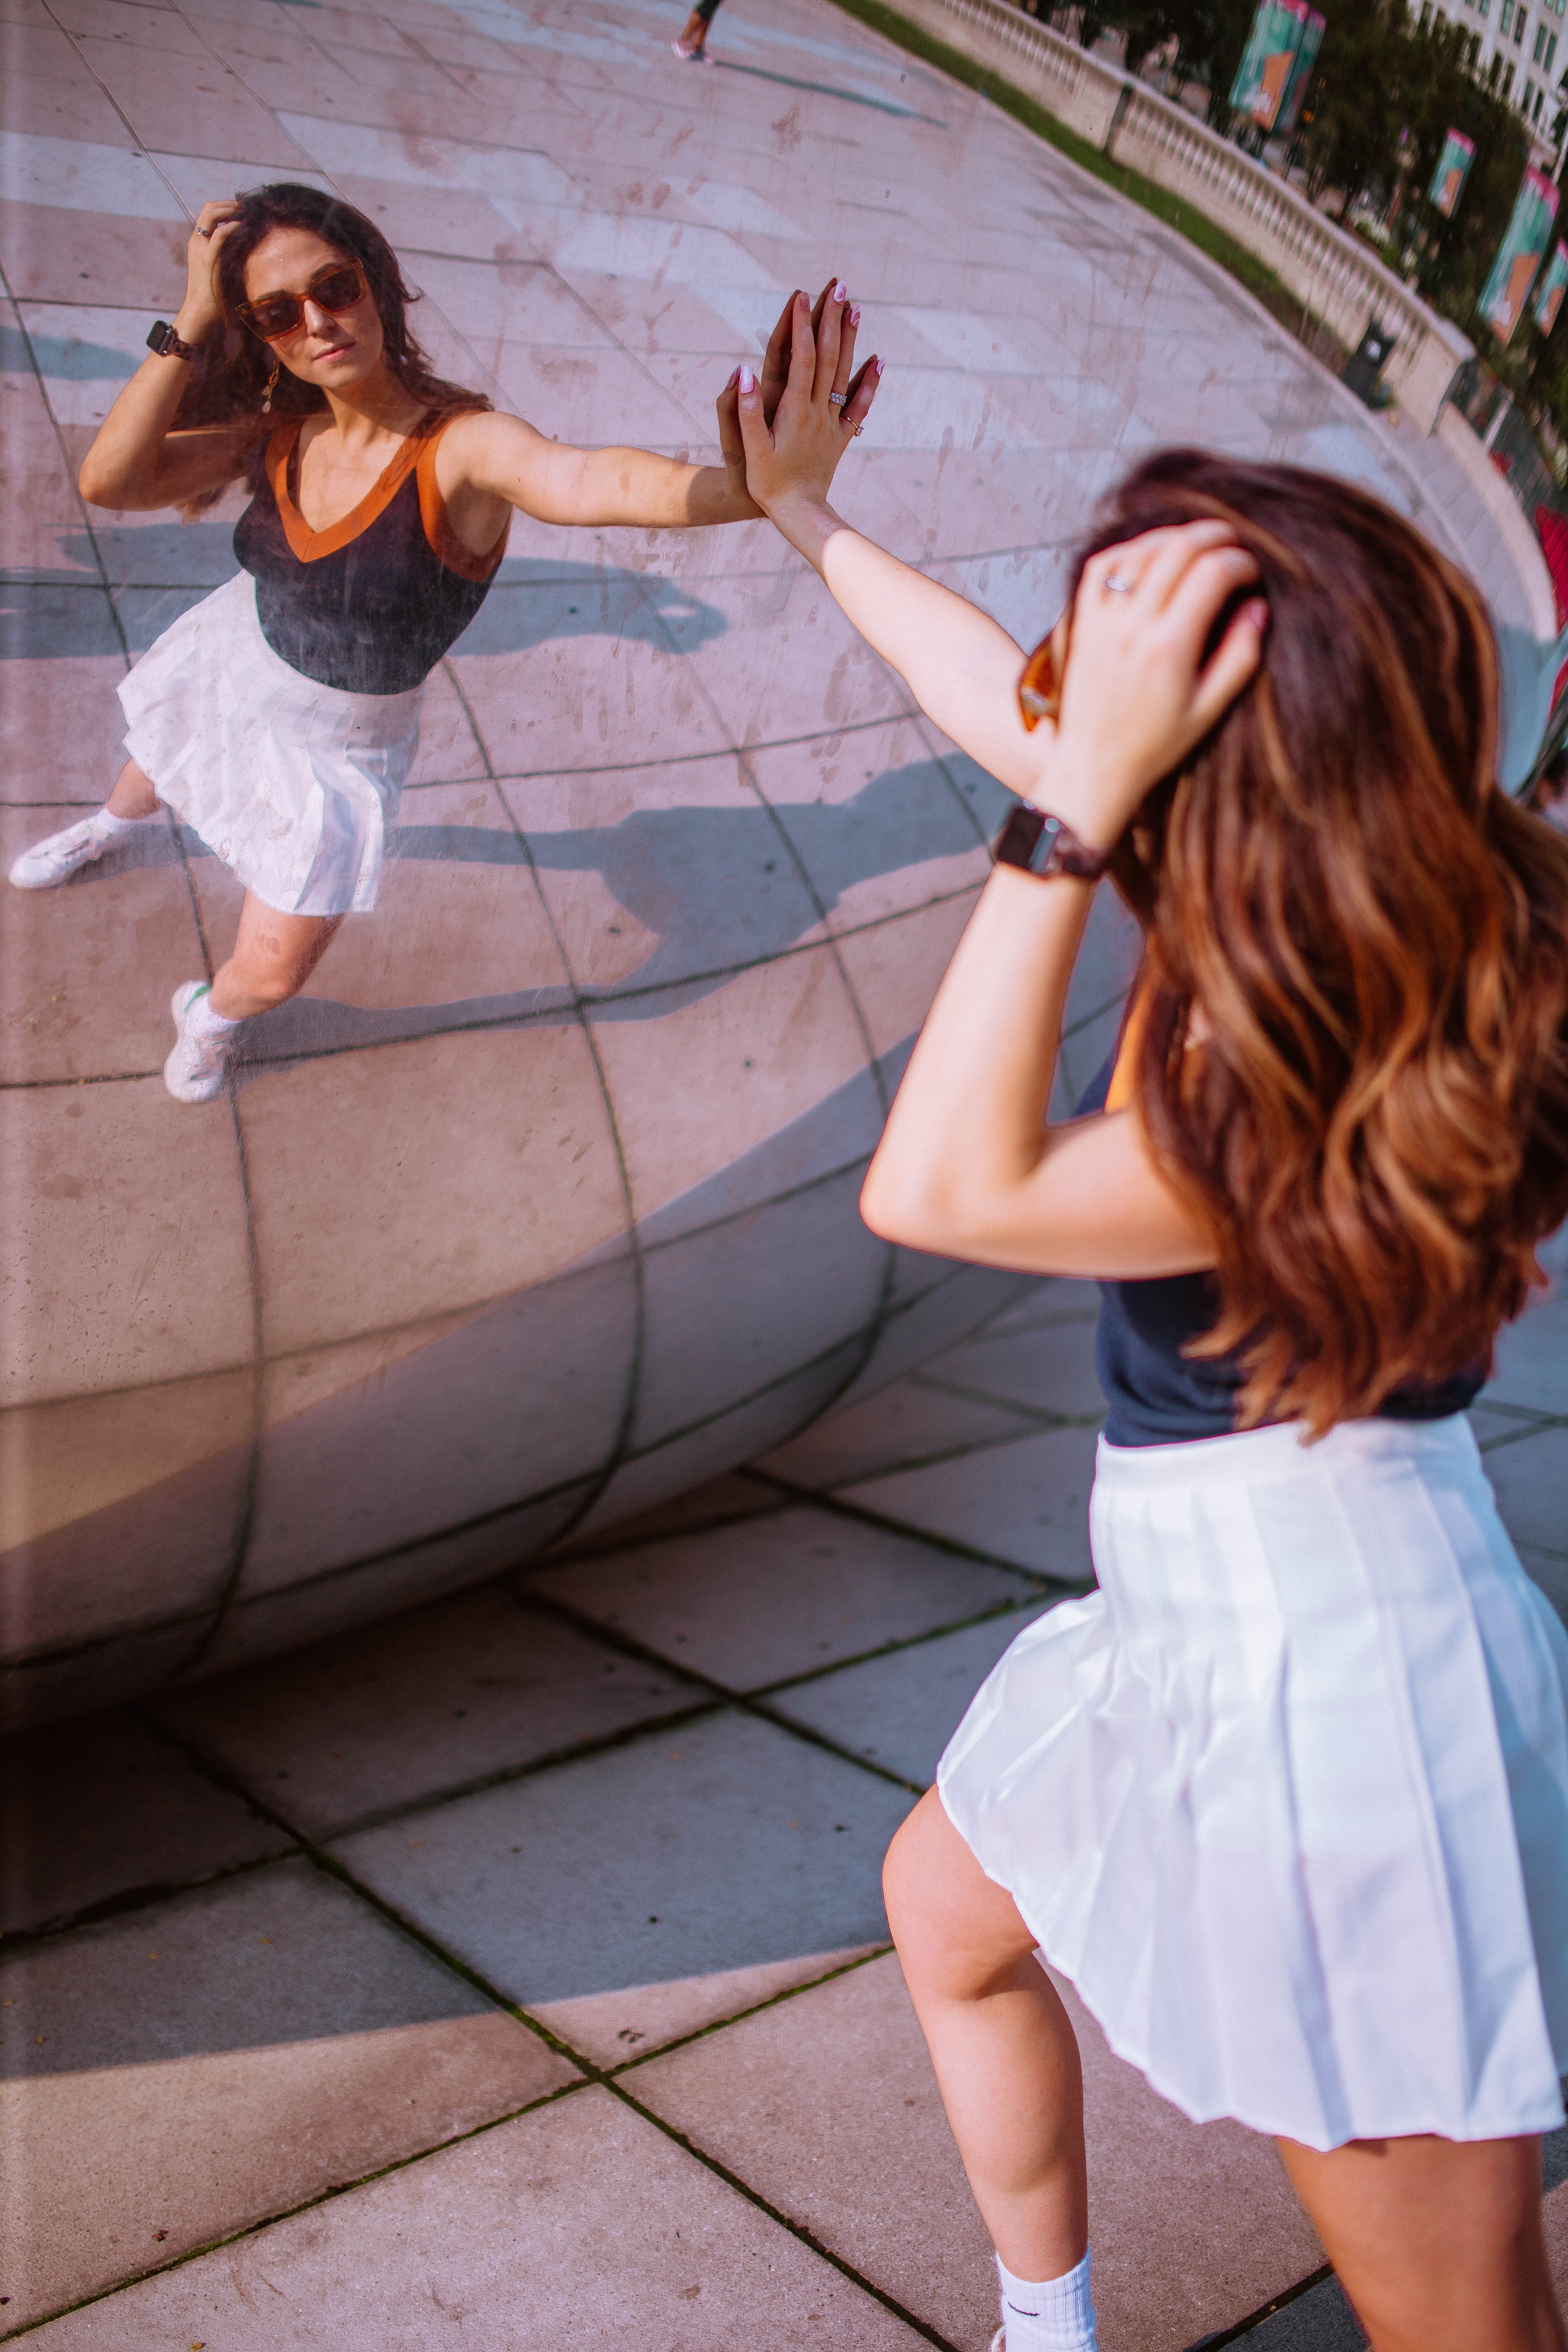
(1364, 366)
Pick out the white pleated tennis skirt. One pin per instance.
(1286, 1799)
(294, 785)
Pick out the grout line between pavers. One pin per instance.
(746, 1702)
(716, 2025)
(895, 1648)
(1282, 2302)
(589, 2070)
(131, 1899)
(289, 2212)
(1065, 1586)
(504, 1775)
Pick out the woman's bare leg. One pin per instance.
(273, 957)
(1006, 2056)
(134, 793)
(1437, 2242)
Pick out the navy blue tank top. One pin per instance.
(1159, 1396)
(371, 604)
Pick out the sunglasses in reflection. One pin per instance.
(336, 287)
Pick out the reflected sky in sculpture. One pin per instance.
(538, 1205)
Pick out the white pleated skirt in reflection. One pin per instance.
(1286, 1799)
(293, 784)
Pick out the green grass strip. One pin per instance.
(1186, 219)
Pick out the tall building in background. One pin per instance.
(1529, 39)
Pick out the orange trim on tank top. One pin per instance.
(415, 454)
(438, 532)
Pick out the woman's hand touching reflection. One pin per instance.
(795, 421)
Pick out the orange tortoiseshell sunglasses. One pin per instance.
(1040, 687)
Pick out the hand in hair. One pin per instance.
(1138, 692)
(202, 309)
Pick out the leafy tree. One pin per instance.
(1354, 101)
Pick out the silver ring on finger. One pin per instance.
(837, 399)
(202, 232)
(1113, 585)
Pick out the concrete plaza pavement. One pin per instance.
(513, 1973)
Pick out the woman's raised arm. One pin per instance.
(967, 1165)
(137, 463)
(961, 666)
(490, 458)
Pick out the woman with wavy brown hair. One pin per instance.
(279, 716)
(1287, 1798)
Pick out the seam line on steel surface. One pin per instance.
(599, 1480)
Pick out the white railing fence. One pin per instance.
(1330, 272)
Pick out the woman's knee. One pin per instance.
(958, 1935)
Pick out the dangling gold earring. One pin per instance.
(267, 395)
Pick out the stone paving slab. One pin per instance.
(187, 2070)
(723, 1843)
(759, 1604)
(1024, 1501)
(582, 2224)
(384, 1718)
(104, 1815)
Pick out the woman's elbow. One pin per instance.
(894, 1214)
(100, 487)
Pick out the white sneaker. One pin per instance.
(59, 855)
(195, 1070)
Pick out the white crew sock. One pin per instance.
(202, 1022)
(1048, 2314)
(108, 826)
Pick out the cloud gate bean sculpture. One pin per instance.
(534, 1202)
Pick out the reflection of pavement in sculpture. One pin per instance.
(540, 1205)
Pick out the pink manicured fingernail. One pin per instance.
(840, 291)
(734, 374)
(748, 381)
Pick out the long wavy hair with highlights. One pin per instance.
(1354, 1052)
(229, 379)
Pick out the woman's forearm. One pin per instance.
(967, 1132)
(961, 666)
(639, 488)
(122, 468)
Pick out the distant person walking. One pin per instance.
(279, 716)
(1287, 1797)
(692, 44)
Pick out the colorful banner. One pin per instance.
(1301, 73)
(1553, 286)
(1520, 254)
(1282, 51)
(1453, 170)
